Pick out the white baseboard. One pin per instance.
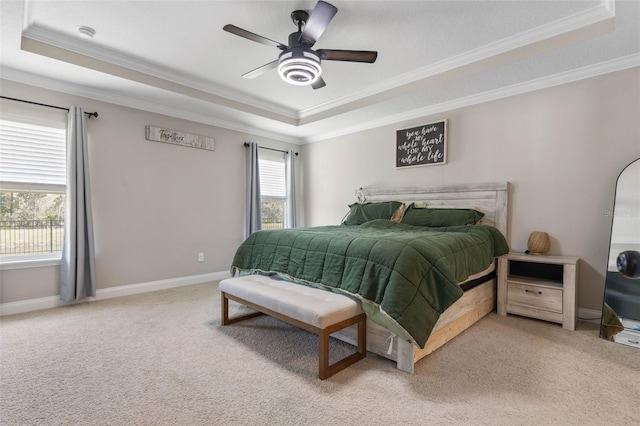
(22, 306)
(589, 315)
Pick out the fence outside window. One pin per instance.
(272, 224)
(272, 213)
(40, 236)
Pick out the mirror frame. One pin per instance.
(613, 215)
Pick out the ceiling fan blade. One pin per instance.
(322, 14)
(348, 55)
(261, 70)
(319, 84)
(253, 37)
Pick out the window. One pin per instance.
(273, 191)
(32, 190)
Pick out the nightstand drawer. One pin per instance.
(628, 337)
(542, 287)
(539, 297)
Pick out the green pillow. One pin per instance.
(441, 217)
(361, 213)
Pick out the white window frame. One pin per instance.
(278, 191)
(20, 261)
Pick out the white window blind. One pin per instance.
(272, 179)
(32, 157)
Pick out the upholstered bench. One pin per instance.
(318, 311)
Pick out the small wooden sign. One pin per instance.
(158, 134)
(422, 146)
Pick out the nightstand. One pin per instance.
(631, 333)
(542, 287)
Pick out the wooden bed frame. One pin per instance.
(493, 200)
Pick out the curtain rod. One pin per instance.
(270, 149)
(90, 114)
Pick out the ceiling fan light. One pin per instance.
(299, 66)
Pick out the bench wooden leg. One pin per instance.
(324, 369)
(225, 312)
(323, 355)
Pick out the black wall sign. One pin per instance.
(422, 146)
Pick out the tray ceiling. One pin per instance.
(173, 57)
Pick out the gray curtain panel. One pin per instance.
(77, 271)
(290, 211)
(253, 221)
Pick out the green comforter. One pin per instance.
(405, 276)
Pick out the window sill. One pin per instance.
(23, 262)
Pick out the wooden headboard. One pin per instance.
(492, 199)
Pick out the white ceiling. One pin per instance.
(173, 57)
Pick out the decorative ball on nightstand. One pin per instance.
(539, 243)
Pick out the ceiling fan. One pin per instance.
(298, 63)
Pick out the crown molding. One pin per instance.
(605, 11)
(618, 64)
(81, 47)
(546, 32)
(127, 101)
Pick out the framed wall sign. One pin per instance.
(422, 146)
(158, 134)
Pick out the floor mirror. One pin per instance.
(621, 307)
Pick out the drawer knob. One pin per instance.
(532, 291)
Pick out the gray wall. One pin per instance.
(155, 205)
(561, 148)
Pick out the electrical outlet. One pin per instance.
(200, 257)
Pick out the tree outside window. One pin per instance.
(32, 189)
(272, 189)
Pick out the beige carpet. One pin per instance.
(162, 359)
